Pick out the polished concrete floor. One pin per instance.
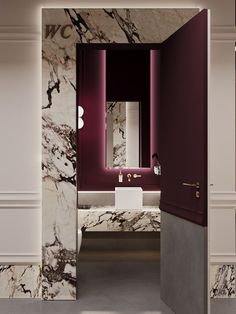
(104, 288)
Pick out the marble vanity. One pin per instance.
(105, 217)
(111, 219)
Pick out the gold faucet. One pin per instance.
(137, 175)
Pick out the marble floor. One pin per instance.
(107, 287)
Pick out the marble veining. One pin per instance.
(59, 156)
(20, 281)
(58, 163)
(116, 111)
(127, 25)
(59, 254)
(110, 219)
(222, 281)
(59, 191)
(58, 268)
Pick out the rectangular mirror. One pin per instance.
(127, 107)
(123, 134)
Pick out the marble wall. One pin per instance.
(222, 281)
(58, 160)
(20, 281)
(61, 29)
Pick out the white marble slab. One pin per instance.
(222, 281)
(111, 219)
(20, 281)
(59, 191)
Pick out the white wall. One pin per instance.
(222, 110)
(20, 117)
(20, 212)
(222, 149)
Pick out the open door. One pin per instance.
(183, 148)
(183, 157)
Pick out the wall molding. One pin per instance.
(229, 258)
(223, 199)
(20, 199)
(223, 33)
(19, 33)
(14, 33)
(20, 258)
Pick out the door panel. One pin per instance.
(183, 115)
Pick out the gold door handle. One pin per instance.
(196, 185)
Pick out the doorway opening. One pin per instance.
(160, 91)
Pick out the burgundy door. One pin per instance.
(183, 125)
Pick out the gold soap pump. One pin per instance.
(120, 177)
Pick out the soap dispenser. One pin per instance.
(120, 177)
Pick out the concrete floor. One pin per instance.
(227, 306)
(104, 288)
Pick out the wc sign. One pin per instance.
(64, 31)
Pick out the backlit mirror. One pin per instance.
(127, 107)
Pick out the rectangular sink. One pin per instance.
(128, 198)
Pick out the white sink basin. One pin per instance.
(128, 198)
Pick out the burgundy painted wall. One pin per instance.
(91, 85)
